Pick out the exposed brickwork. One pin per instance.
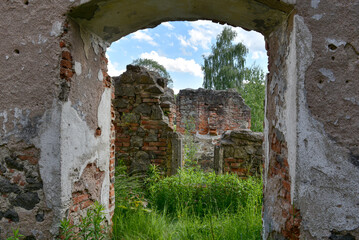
(111, 204)
(213, 112)
(280, 168)
(85, 192)
(241, 153)
(207, 114)
(143, 128)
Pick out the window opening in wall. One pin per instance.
(173, 150)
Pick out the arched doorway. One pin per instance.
(102, 22)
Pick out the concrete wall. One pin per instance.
(56, 118)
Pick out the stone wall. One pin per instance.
(240, 152)
(211, 112)
(144, 108)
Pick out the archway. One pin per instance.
(57, 139)
(102, 22)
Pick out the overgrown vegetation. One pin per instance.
(190, 205)
(253, 93)
(93, 226)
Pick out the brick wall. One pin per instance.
(206, 114)
(211, 111)
(144, 108)
(240, 152)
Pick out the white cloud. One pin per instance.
(175, 65)
(176, 90)
(142, 36)
(203, 34)
(258, 55)
(254, 41)
(168, 25)
(113, 69)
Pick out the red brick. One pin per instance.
(149, 148)
(160, 153)
(32, 160)
(158, 144)
(230, 160)
(62, 44)
(152, 127)
(86, 204)
(74, 208)
(66, 73)
(80, 198)
(235, 165)
(66, 55)
(127, 139)
(286, 185)
(66, 64)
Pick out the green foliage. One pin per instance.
(93, 226)
(152, 65)
(190, 148)
(203, 192)
(129, 189)
(253, 92)
(223, 68)
(16, 235)
(188, 206)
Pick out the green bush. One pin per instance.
(201, 192)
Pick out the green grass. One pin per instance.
(191, 205)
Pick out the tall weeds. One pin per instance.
(192, 205)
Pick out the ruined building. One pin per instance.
(57, 121)
(206, 114)
(144, 110)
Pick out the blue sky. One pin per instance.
(179, 47)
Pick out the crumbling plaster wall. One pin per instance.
(48, 123)
(311, 133)
(328, 118)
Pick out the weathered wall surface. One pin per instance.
(309, 150)
(144, 130)
(55, 114)
(240, 152)
(205, 111)
(206, 114)
(48, 124)
(328, 119)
